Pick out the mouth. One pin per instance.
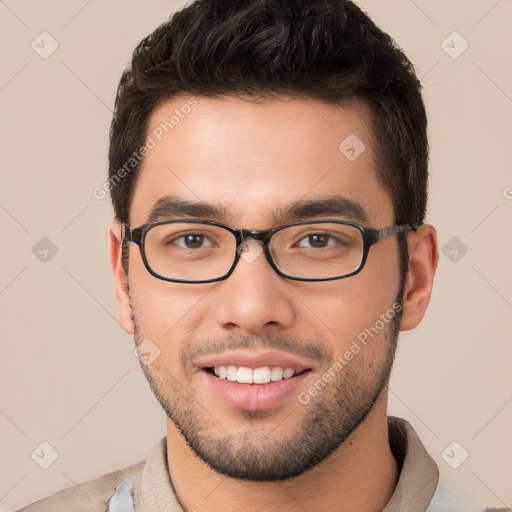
(247, 375)
(254, 380)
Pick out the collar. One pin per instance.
(419, 474)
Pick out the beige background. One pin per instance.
(68, 375)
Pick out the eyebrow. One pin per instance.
(170, 206)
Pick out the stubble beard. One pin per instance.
(326, 421)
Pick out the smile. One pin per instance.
(246, 375)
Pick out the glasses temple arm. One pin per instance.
(391, 230)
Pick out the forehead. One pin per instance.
(253, 160)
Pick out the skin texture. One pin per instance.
(251, 158)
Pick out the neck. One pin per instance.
(361, 474)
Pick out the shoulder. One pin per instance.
(447, 499)
(90, 496)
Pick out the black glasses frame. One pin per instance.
(370, 237)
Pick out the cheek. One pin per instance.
(166, 313)
(157, 303)
(345, 314)
(348, 308)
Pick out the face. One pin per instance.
(251, 161)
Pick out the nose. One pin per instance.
(254, 296)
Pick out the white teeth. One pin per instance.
(261, 375)
(231, 373)
(245, 375)
(276, 373)
(288, 373)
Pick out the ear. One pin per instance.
(423, 259)
(120, 279)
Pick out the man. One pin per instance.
(268, 171)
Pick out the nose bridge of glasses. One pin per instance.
(254, 234)
(248, 235)
(250, 252)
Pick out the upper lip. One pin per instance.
(255, 359)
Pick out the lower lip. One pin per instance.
(255, 396)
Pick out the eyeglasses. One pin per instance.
(202, 251)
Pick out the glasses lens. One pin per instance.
(318, 251)
(189, 251)
(200, 252)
